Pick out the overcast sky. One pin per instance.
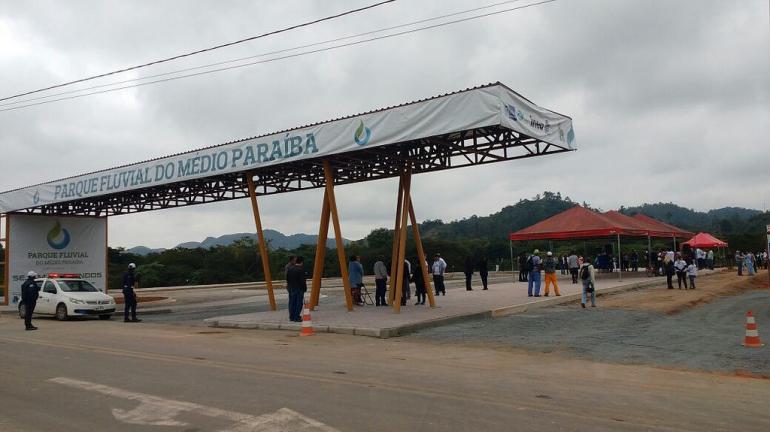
(670, 100)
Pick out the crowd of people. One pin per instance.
(533, 269)
(412, 274)
(581, 270)
(749, 262)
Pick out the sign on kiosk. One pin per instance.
(56, 244)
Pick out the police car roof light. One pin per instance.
(64, 275)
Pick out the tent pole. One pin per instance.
(649, 252)
(510, 242)
(620, 264)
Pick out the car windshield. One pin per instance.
(76, 286)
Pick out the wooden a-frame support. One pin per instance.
(261, 237)
(404, 209)
(329, 210)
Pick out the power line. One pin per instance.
(191, 53)
(282, 57)
(259, 55)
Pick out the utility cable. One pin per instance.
(284, 57)
(258, 55)
(191, 53)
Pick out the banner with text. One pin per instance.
(52, 244)
(481, 107)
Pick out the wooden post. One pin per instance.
(261, 237)
(402, 244)
(421, 254)
(320, 253)
(396, 230)
(337, 233)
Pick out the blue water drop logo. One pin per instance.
(363, 134)
(58, 237)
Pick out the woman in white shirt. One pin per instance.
(680, 266)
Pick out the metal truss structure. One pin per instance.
(458, 149)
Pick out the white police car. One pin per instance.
(66, 295)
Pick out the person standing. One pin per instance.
(380, 281)
(588, 278)
(419, 284)
(549, 265)
(574, 266)
(669, 270)
(739, 262)
(523, 267)
(710, 259)
(634, 261)
(129, 296)
(748, 260)
(680, 266)
(406, 293)
(29, 292)
(533, 279)
(692, 273)
(296, 284)
(438, 268)
(484, 271)
(356, 279)
(468, 270)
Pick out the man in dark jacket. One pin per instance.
(129, 297)
(29, 294)
(296, 284)
(484, 271)
(468, 270)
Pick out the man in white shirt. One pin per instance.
(438, 268)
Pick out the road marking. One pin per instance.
(158, 411)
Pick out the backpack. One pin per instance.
(585, 274)
(529, 265)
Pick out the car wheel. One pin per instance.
(22, 310)
(105, 317)
(61, 312)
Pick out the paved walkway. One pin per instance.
(459, 304)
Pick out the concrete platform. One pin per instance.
(501, 299)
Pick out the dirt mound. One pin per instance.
(673, 301)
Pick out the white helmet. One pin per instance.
(132, 266)
(31, 274)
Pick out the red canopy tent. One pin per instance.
(663, 227)
(579, 222)
(705, 240)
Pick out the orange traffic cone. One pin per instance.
(307, 323)
(752, 335)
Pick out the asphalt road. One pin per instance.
(93, 375)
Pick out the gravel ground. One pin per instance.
(706, 338)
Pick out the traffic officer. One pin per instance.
(129, 297)
(29, 294)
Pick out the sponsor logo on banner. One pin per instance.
(363, 134)
(513, 114)
(58, 237)
(36, 197)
